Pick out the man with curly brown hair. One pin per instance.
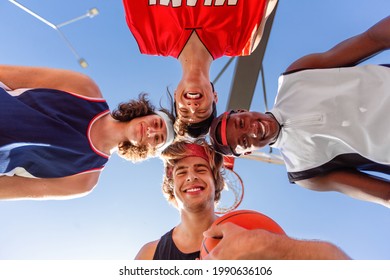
(57, 132)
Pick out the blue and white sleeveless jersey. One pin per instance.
(44, 133)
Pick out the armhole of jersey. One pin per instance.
(93, 99)
(97, 169)
(19, 91)
(4, 86)
(295, 71)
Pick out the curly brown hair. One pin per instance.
(127, 111)
(177, 151)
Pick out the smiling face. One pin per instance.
(249, 131)
(147, 131)
(193, 182)
(194, 101)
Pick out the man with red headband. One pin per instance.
(329, 124)
(196, 33)
(193, 184)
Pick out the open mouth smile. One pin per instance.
(262, 128)
(192, 95)
(193, 189)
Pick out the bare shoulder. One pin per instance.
(147, 251)
(83, 85)
(43, 77)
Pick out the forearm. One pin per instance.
(291, 249)
(353, 183)
(21, 188)
(282, 247)
(351, 51)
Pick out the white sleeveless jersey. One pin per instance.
(334, 118)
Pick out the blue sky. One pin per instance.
(127, 208)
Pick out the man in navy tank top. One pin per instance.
(57, 132)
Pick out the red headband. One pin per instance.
(195, 150)
(223, 128)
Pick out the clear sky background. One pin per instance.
(127, 208)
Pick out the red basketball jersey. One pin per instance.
(226, 27)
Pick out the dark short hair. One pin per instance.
(199, 129)
(196, 130)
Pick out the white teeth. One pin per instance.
(192, 95)
(193, 190)
(262, 130)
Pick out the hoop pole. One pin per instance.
(34, 14)
(264, 158)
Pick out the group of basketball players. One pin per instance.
(61, 151)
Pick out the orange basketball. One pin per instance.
(245, 218)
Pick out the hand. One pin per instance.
(237, 242)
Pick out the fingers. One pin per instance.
(214, 231)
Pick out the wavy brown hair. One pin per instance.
(178, 151)
(127, 111)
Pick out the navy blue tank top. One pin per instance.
(44, 133)
(167, 250)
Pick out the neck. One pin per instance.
(195, 59)
(277, 130)
(197, 222)
(107, 133)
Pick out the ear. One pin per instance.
(169, 172)
(215, 97)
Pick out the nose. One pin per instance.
(191, 176)
(150, 132)
(192, 106)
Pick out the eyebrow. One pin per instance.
(181, 167)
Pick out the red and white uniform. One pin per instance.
(226, 27)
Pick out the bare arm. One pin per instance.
(240, 243)
(147, 251)
(15, 187)
(350, 51)
(40, 77)
(352, 183)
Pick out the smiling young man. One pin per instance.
(196, 33)
(330, 124)
(193, 183)
(57, 133)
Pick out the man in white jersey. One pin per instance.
(330, 124)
